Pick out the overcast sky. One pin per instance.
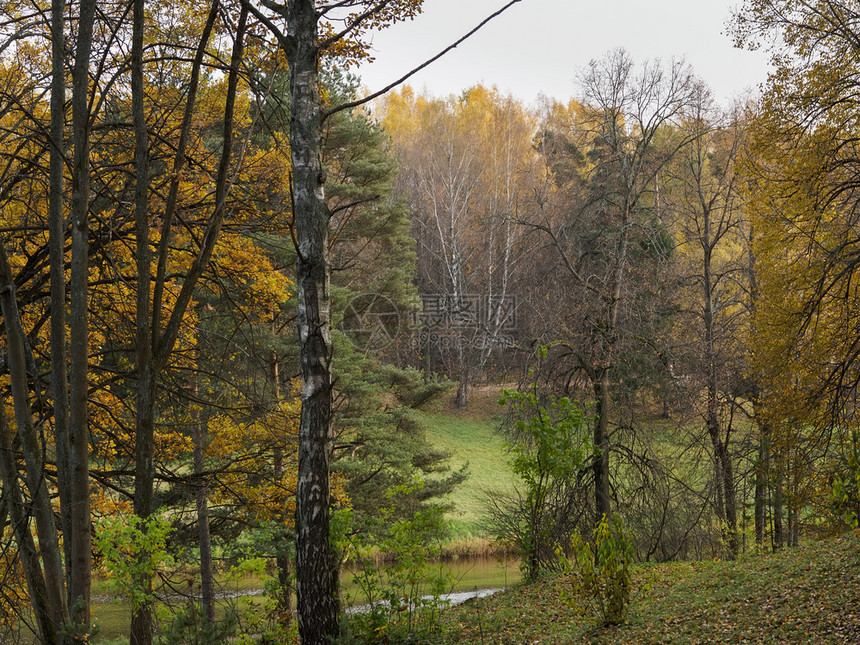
(537, 46)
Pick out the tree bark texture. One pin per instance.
(80, 537)
(283, 557)
(204, 539)
(602, 506)
(724, 473)
(778, 500)
(43, 608)
(603, 386)
(317, 577)
(761, 476)
(144, 467)
(56, 244)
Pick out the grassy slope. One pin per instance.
(471, 436)
(805, 595)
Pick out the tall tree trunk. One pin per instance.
(603, 386)
(78, 453)
(761, 478)
(724, 477)
(602, 505)
(54, 607)
(144, 467)
(795, 526)
(282, 553)
(47, 623)
(56, 248)
(778, 503)
(153, 348)
(719, 498)
(730, 500)
(316, 569)
(792, 519)
(762, 471)
(204, 539)
(712, 419)
(160, 343)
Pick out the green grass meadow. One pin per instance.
(472, 436)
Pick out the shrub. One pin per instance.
(403, 597)
(602, 575)
(189, 626)
(547, 454)
(845, 497)
(133, 550)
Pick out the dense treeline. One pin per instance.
(646, 236)
(224, 289)
(623, 243)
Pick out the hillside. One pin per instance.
(471, 436)
(810, 594)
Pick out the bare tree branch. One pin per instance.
(410, 74)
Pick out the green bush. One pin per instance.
(190, 627)
(403, 596)
(845, 497)
(132, 550)
(602, 575)
(547, 454)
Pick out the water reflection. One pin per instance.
(467, 575)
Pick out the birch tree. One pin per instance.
(466, 162)
(304, 39)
